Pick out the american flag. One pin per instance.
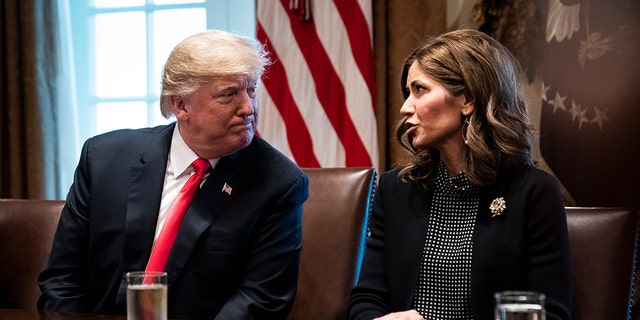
(318, 100)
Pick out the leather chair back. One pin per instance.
(333, 228)
(603, 245)
(27, 228)
(333, 225)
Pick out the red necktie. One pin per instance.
(161, 249)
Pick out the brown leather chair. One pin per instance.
(333, 225)
(603, 245)
(26, 235)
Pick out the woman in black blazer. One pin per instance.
(468, 215)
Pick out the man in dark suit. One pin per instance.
(237, 250)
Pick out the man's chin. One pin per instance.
(245, 139)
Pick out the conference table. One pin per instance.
(19, 314)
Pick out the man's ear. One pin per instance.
(178, 104)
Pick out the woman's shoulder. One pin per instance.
(527, 177)
(393, 179)
(527, 172)
(391, 176)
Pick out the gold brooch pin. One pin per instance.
(497, 206)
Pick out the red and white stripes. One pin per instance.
(317, 101)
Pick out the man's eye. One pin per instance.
(251, 91)
(225, 94)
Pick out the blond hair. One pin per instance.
(204, 56)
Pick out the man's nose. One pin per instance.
(245, 106)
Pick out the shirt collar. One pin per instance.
(181, 156)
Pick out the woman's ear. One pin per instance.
(467, 107)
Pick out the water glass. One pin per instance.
(146, 295)
(519, 305)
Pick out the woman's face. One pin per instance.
(433, 116)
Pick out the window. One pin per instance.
(120, 47)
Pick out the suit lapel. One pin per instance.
(143, 203)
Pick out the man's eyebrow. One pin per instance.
(225, 88)
(231, 86)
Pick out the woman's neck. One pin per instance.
(454, 159)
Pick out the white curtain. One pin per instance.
(66, 118)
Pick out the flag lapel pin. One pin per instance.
(227, 188)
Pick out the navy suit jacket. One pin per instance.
(524, 248)
(236, 254)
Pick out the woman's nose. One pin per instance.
(407, 107)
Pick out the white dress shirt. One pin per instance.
(176, 175)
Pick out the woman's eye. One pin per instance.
(423, 89)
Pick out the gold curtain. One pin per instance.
(27, 139)
(399, 27)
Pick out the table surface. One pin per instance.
(18, 314)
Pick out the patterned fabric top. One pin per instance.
(444, 284)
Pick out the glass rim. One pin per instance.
(519, 294)
(146, 273)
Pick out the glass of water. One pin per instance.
(146, 295)
(519, 305)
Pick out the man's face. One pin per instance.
(220, 117)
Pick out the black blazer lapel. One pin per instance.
(416, 233)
